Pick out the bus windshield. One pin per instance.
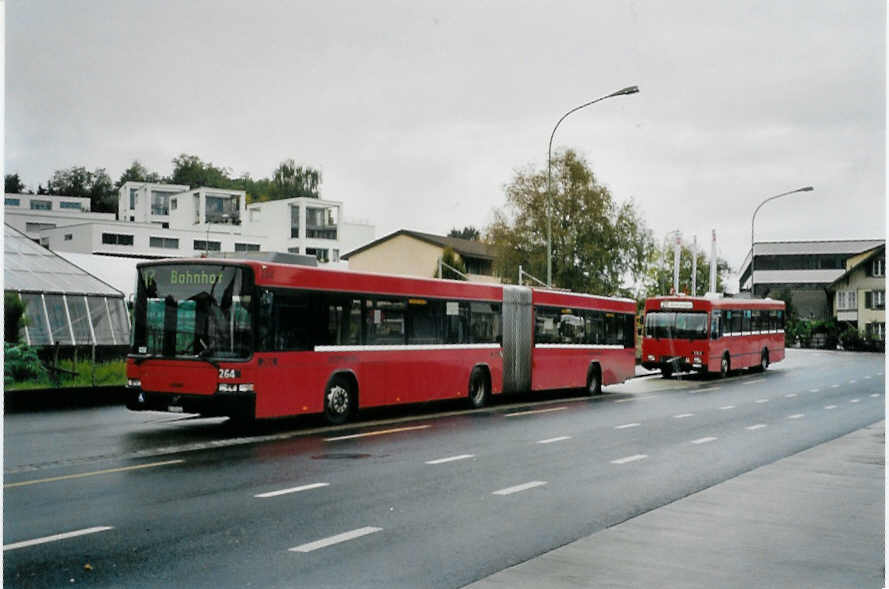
(193, 310)
(659, 324)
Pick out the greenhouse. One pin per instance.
(64, 305)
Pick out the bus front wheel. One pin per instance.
(339, 401)
(594, 382)
(724, 366)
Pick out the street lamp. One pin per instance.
(549, 158)
(753, 220)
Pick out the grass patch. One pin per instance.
(103, 374)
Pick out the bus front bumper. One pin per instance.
(231, 404)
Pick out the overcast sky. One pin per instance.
(418, 113)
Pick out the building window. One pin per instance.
(197, 207)
(12, 202)
(879, 299)
(160, 202)
(201, 245)
(133, 197)
(69, 236)
(168, 243)
(34, 227)
(847, 300)
(293, 250)
(876, 330)
(321, 223)
(67, 204)
(320, 253)
(246, 247)
(878, 267)
(41, 205)
(294, 222)
(223, 209)
(173, 202)
(117, 239)
(336, 255)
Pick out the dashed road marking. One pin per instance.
(291, 490)
(762, 400)
(519, 488)
(450, 459)
(796, 416)
(632, 458)
(854, 400)
(551, 440)
(834, 386)
(344, 537)
(830, 406)
(867, 378)
(707, 390)
(790, 395)
(704, 440)
(814, 390)
(853, 381)
(756, 427)
(754, 381)
(636, 399)
(727, 407)
(520, 413)
(627, 425)
(683, 415)
(381, 432)
(54, 537)
(93, 473)
(875, 395)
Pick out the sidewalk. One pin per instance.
(815, 519)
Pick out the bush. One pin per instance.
(13, 317)
(20, 363)
(850, 339)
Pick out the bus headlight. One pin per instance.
(134, 383)
(651, 358)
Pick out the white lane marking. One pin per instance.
(755, 427)
(762, 400)
(867, 378)
(814, 390)
(834, 386)
(520, 413)
(707, 390)
(377, 433)
(626, 425)
(854, 400)
(879, 374)
(636, 399)
(334, 539)
(93, 473)
(853, 381)
(55, 537)
(754, 381)
(551, 440)
(830, 406)
(450, 459)
(875, 395)
(790, 395)
(796, 416)
(683, 415)
(632, 458)
(519, 488)
(704, 440)
(727, 407)
(291, 490)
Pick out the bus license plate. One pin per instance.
(174, 409)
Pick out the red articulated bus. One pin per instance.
(704, 334)
(255, 339)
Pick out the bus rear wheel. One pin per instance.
(479, 391)
(339, 401)
(763, 361)
(724, 366)
(594, 382)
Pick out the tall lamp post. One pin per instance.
(753, 221)
(549, 164)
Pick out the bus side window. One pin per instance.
(715, 325)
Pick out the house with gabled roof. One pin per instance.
(859, 294)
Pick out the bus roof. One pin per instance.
(679, 302)
(289, 275)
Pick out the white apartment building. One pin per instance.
(33, 213)
(167, 220)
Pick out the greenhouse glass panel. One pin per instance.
(36, 323)
(119, 320)
(99, 318)
(80, 319)
(58, 319)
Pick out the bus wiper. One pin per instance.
(206, 353)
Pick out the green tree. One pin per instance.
(137, 173)
(659, 275)
(193, 172)
(597, 243)
(468, 232)
(14, 185)
(454, 260)
(78, 181)
(13, 317)
(290, 180)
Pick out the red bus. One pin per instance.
(256, 339)
(683, 333)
